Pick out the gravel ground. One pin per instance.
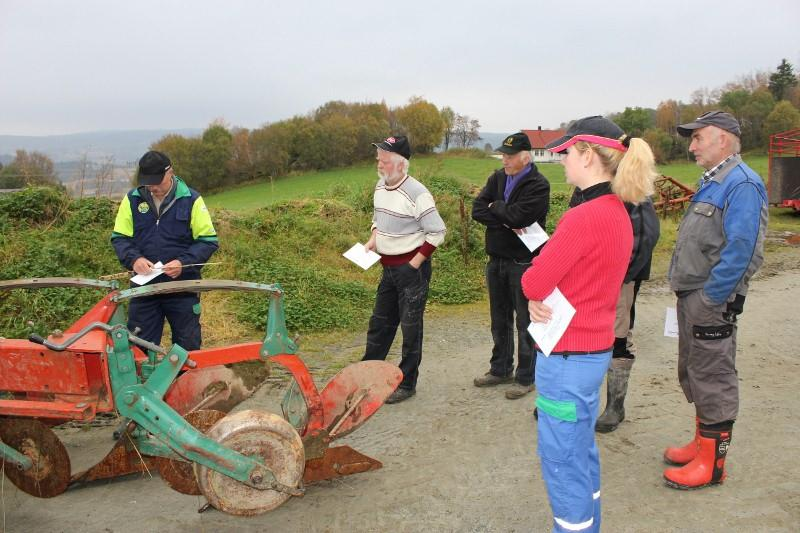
(459, 458)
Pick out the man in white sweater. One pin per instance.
(406, 229)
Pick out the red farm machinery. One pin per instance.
(783, 186)
(173, 406)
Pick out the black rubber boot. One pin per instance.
(618, 373)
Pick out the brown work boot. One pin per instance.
(518, 390)
(490, 380)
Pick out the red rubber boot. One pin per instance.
(708, 468)
(685, 454)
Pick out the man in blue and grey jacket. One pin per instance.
(719, 247)
(164, 220)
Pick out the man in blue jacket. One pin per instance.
(164, 220)
(719, 247)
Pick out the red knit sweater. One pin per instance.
(586, 258)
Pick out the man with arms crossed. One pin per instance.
(514, 197)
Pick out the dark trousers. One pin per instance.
(503, 278)
(401, 297)
(182, 310)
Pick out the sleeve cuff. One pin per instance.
(427, 249)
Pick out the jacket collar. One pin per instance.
(180, 188)
(590, 193)
(719, 172)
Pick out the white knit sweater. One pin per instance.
(406, 218)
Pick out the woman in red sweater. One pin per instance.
(586, 258)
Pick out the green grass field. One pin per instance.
(465, 169)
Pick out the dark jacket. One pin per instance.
(646, 229)
(528, 203)
(182, 230)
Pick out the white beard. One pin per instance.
(390, 180)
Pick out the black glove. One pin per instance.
(734, 308)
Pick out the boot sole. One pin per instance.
(515, 397)
(605, 429)
(503, 382)
(673, 485)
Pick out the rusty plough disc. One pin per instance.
(49, 475)
(253, 433)
(179, 475)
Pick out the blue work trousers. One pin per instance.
(568, 401)
(182, 310)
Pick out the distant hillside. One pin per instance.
(125, 146)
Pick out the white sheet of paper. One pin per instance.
(359, 255)
(143, 279)
(547, 335)
(533, 237)
(671, 323)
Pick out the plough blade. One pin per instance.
(338, 462)
(220, 388)
(355, 394)
(177, 474)
(120, 461)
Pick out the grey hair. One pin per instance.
(736, 142)
(528, 158)
(397, 158)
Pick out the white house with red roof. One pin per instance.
(539, 139)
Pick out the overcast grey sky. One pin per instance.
(72, 66)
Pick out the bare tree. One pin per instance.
(103, 176)
(449, 116)
(81, 173)
(465, 131)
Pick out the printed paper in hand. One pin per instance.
(533, 237)
(360, 256)
(671, 323)
(547, 335)
(144, 279)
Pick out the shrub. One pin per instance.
(34, 205)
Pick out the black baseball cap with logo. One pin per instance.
(720, 119)
(515, 143)
(397, 145)
(152, 168)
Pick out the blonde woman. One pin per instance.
(586, 259)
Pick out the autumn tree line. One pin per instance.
(339, 134)
(764, 103)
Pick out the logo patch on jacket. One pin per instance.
(144, 207)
